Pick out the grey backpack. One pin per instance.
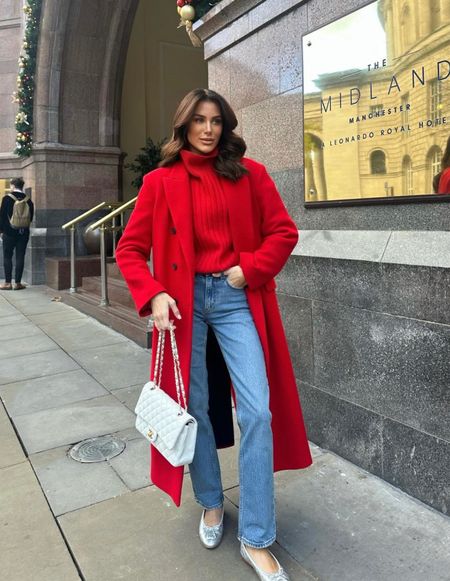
(21, 215)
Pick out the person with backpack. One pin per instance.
(16, 215)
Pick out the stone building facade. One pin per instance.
(364, 295)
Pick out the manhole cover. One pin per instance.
(97, 449)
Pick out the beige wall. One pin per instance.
(161, 67)
(4, 187)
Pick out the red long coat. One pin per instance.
(264, 236)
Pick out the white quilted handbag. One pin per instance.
(164, 422)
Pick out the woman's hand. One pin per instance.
(236, 276)
(161, 305)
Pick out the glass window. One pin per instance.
(436, 161)
(434, 158)
(408, 188)
(405, 111)
(377, 162)
(376, 109)
(435, 99)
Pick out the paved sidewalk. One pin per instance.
(63, 378)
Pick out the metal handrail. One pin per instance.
(103, 226)
(72, 225)
(87, 213)
(120, 210)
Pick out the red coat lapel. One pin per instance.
(178, 196)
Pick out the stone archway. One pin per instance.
(81, 59)
(76, 156)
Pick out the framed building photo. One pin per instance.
(377, 105)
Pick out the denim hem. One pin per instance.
(257, 545)
(209, 507)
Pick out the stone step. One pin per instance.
(58, 270)
(121, 318)
(113, 270)
(117, 290)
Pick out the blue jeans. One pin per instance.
(225, 309)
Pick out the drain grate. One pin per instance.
(97, 449)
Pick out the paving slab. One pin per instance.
(128, 434)
(33, 395)
(68, 314)
(143, 535)
(12, 320)
(22, 329)
(129, 395)
(39, 304)
(6, 309)
(116, 366)
(43, 364)
(340, 522)
(229, 466)
(72, 423)
(70, 485)
(29, 293)
(12, 452)
(133, 465)
(25, 345)
(32, 546)
(81, 334)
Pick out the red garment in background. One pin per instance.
(444, 182)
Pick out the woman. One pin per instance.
(444, 180)
(219, 232)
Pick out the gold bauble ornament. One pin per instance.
(187, 12)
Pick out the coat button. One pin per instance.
(173, 230)
(174, 266)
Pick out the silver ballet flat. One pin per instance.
(279, 575)
(210, 536)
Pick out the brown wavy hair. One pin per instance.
(231, 146)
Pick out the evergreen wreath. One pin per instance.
(24, 95)
(190, 11)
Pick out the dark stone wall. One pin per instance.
(370, 344)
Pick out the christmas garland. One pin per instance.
(25, 80)
(190, 11)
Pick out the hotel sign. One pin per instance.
(377, 103)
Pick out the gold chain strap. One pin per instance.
(178, 378)
(157, 375)
(159, 359)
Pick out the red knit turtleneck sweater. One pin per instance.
(214, 250)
